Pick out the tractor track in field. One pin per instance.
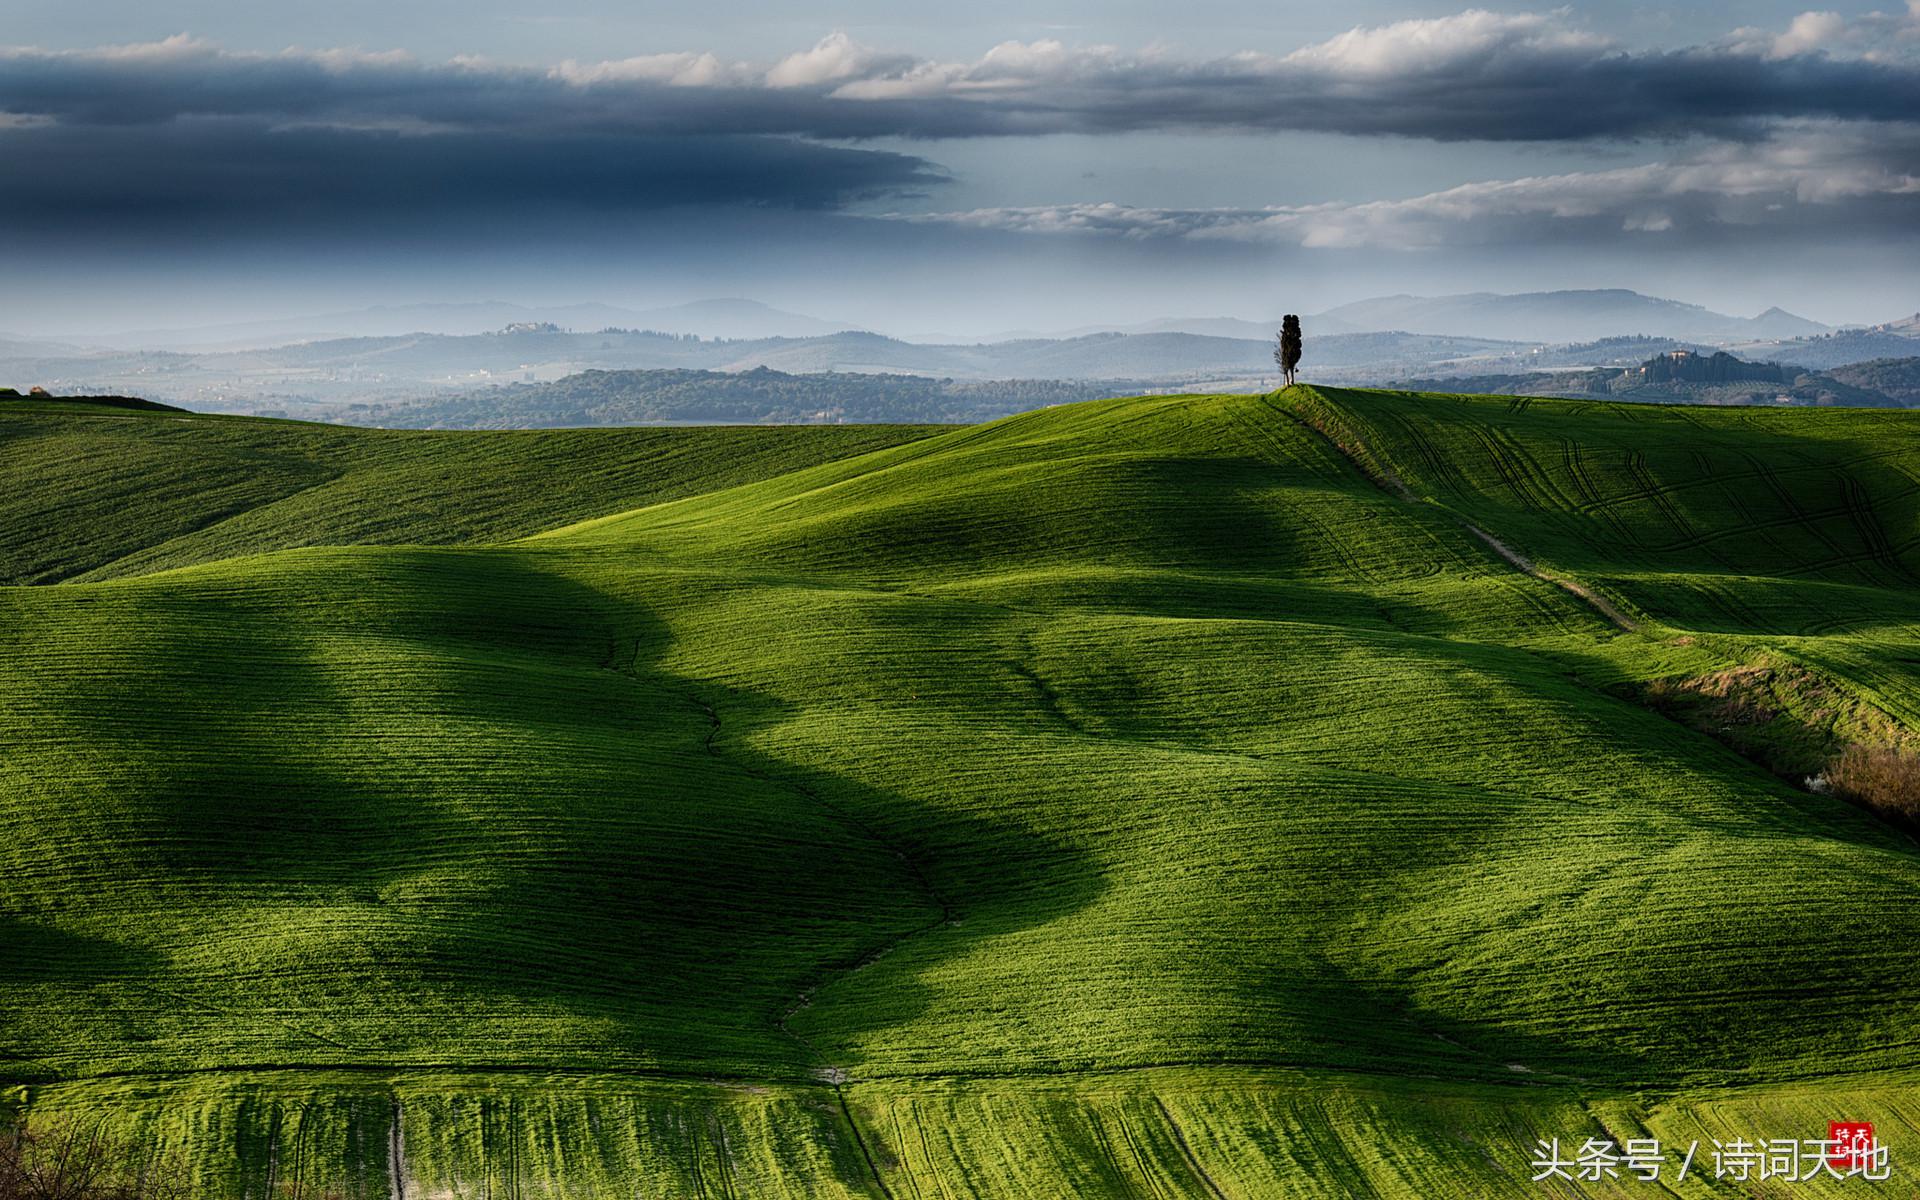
(1860, 509)
(1541, 479)
(1656, 494)
(1590, 498)
(1790, 504)
(1618, 1139)
(1186, 1150)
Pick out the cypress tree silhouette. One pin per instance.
(1287, 353)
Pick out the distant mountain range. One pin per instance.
(1566, 316)
(1540, 317)
(1536, 317)
(1225, 327)
(1837, 349)
(522, 344)
(1154, 356)
(1904, 327)
(390, 369)
(15, 346)
(730, 318)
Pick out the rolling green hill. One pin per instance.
(95, 493)
(1184, 796)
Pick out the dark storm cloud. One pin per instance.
(238, 174)
(181, 131)
(183, 134)
(1568, 97)
(1474, 75)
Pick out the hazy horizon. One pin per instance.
(489, 313)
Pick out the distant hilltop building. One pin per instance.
(1684, 366)
(532, 327)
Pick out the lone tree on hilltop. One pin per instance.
(1287, 353)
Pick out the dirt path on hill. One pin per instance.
(1376, 471)
(1600, 604)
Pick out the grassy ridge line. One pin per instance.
(11, 401)
(800, 482)
(97, 494)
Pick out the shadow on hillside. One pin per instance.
(450, 807)
(1340, 1019)
(1699, 517)
(1120, 511)
(35, 953)
(455, 812)
(41, 969)
(880, 885)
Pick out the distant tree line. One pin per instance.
(1885, 383)
(1898, 378)
(1719, 367)
(618, 331)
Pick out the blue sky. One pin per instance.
(954, 168)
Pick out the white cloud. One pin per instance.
(1873, 36)
(1009, 68)
(1809, 31)
(833, 59)
(1437, 43)
(1816, 167)
(674, 70)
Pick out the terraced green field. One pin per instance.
(1182, 796)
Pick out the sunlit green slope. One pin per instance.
(94, 492)
(1166, 796)
(1798, 528)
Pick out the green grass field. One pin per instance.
(94, 493)
(1168, 797)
